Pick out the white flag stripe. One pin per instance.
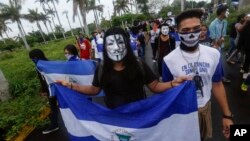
(79, 79)
(82, 128)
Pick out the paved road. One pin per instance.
(239, 103)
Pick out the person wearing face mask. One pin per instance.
(71, 53)
(121, 75)
(218, 28)
(204, 38)
(36, 55)
(165, 44)
(84, 47)
(204, 65)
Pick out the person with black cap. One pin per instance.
(204, 65)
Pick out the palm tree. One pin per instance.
(45, 18)
(12, 12)
(4, 28)
(52, 13)
(34, 16)
(78, 15)
(96, 8)
(83, 6)
(66, 13)
(121, 6)
(53, 2)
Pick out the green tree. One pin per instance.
(34, 16)
(83, 6)
(46, 17)
(66, 13)
(51, 13)
(143, 6)
(54, 5)
(121, 6)
(12, 12)
(4, 28)
(96, 8)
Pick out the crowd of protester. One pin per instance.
(184, 49)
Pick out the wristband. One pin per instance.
(229, 117)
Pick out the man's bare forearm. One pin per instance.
(220, 95)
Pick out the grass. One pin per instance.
(19, 70)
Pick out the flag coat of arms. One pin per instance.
(168, 116)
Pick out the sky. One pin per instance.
(61, 6)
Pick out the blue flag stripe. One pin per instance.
(85, 67)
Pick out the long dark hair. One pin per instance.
(129, 61)
(37, 54)
(72, 49)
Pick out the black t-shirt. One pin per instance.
(119, 91)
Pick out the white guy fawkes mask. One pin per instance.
(190, 39)
(165, 30)
(115, 46)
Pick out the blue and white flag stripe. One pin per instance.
(80, 72)
(163, 117)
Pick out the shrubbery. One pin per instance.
(20, 72)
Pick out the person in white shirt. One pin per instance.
(155, 32)
(204, 65)
(97, 45)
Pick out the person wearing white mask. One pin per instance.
(121, 75)
(165, 44)
(204, 65)
(71, 53)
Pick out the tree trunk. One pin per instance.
(41, 31)
(22, 35)
(52, 30)
(22, 28)
(45, 24)
(86, 28)
(70, 25)
(96, 20)
(58, 18)
(6, 34)
(78, 15)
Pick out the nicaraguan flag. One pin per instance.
(169, 116)
(80, 72)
